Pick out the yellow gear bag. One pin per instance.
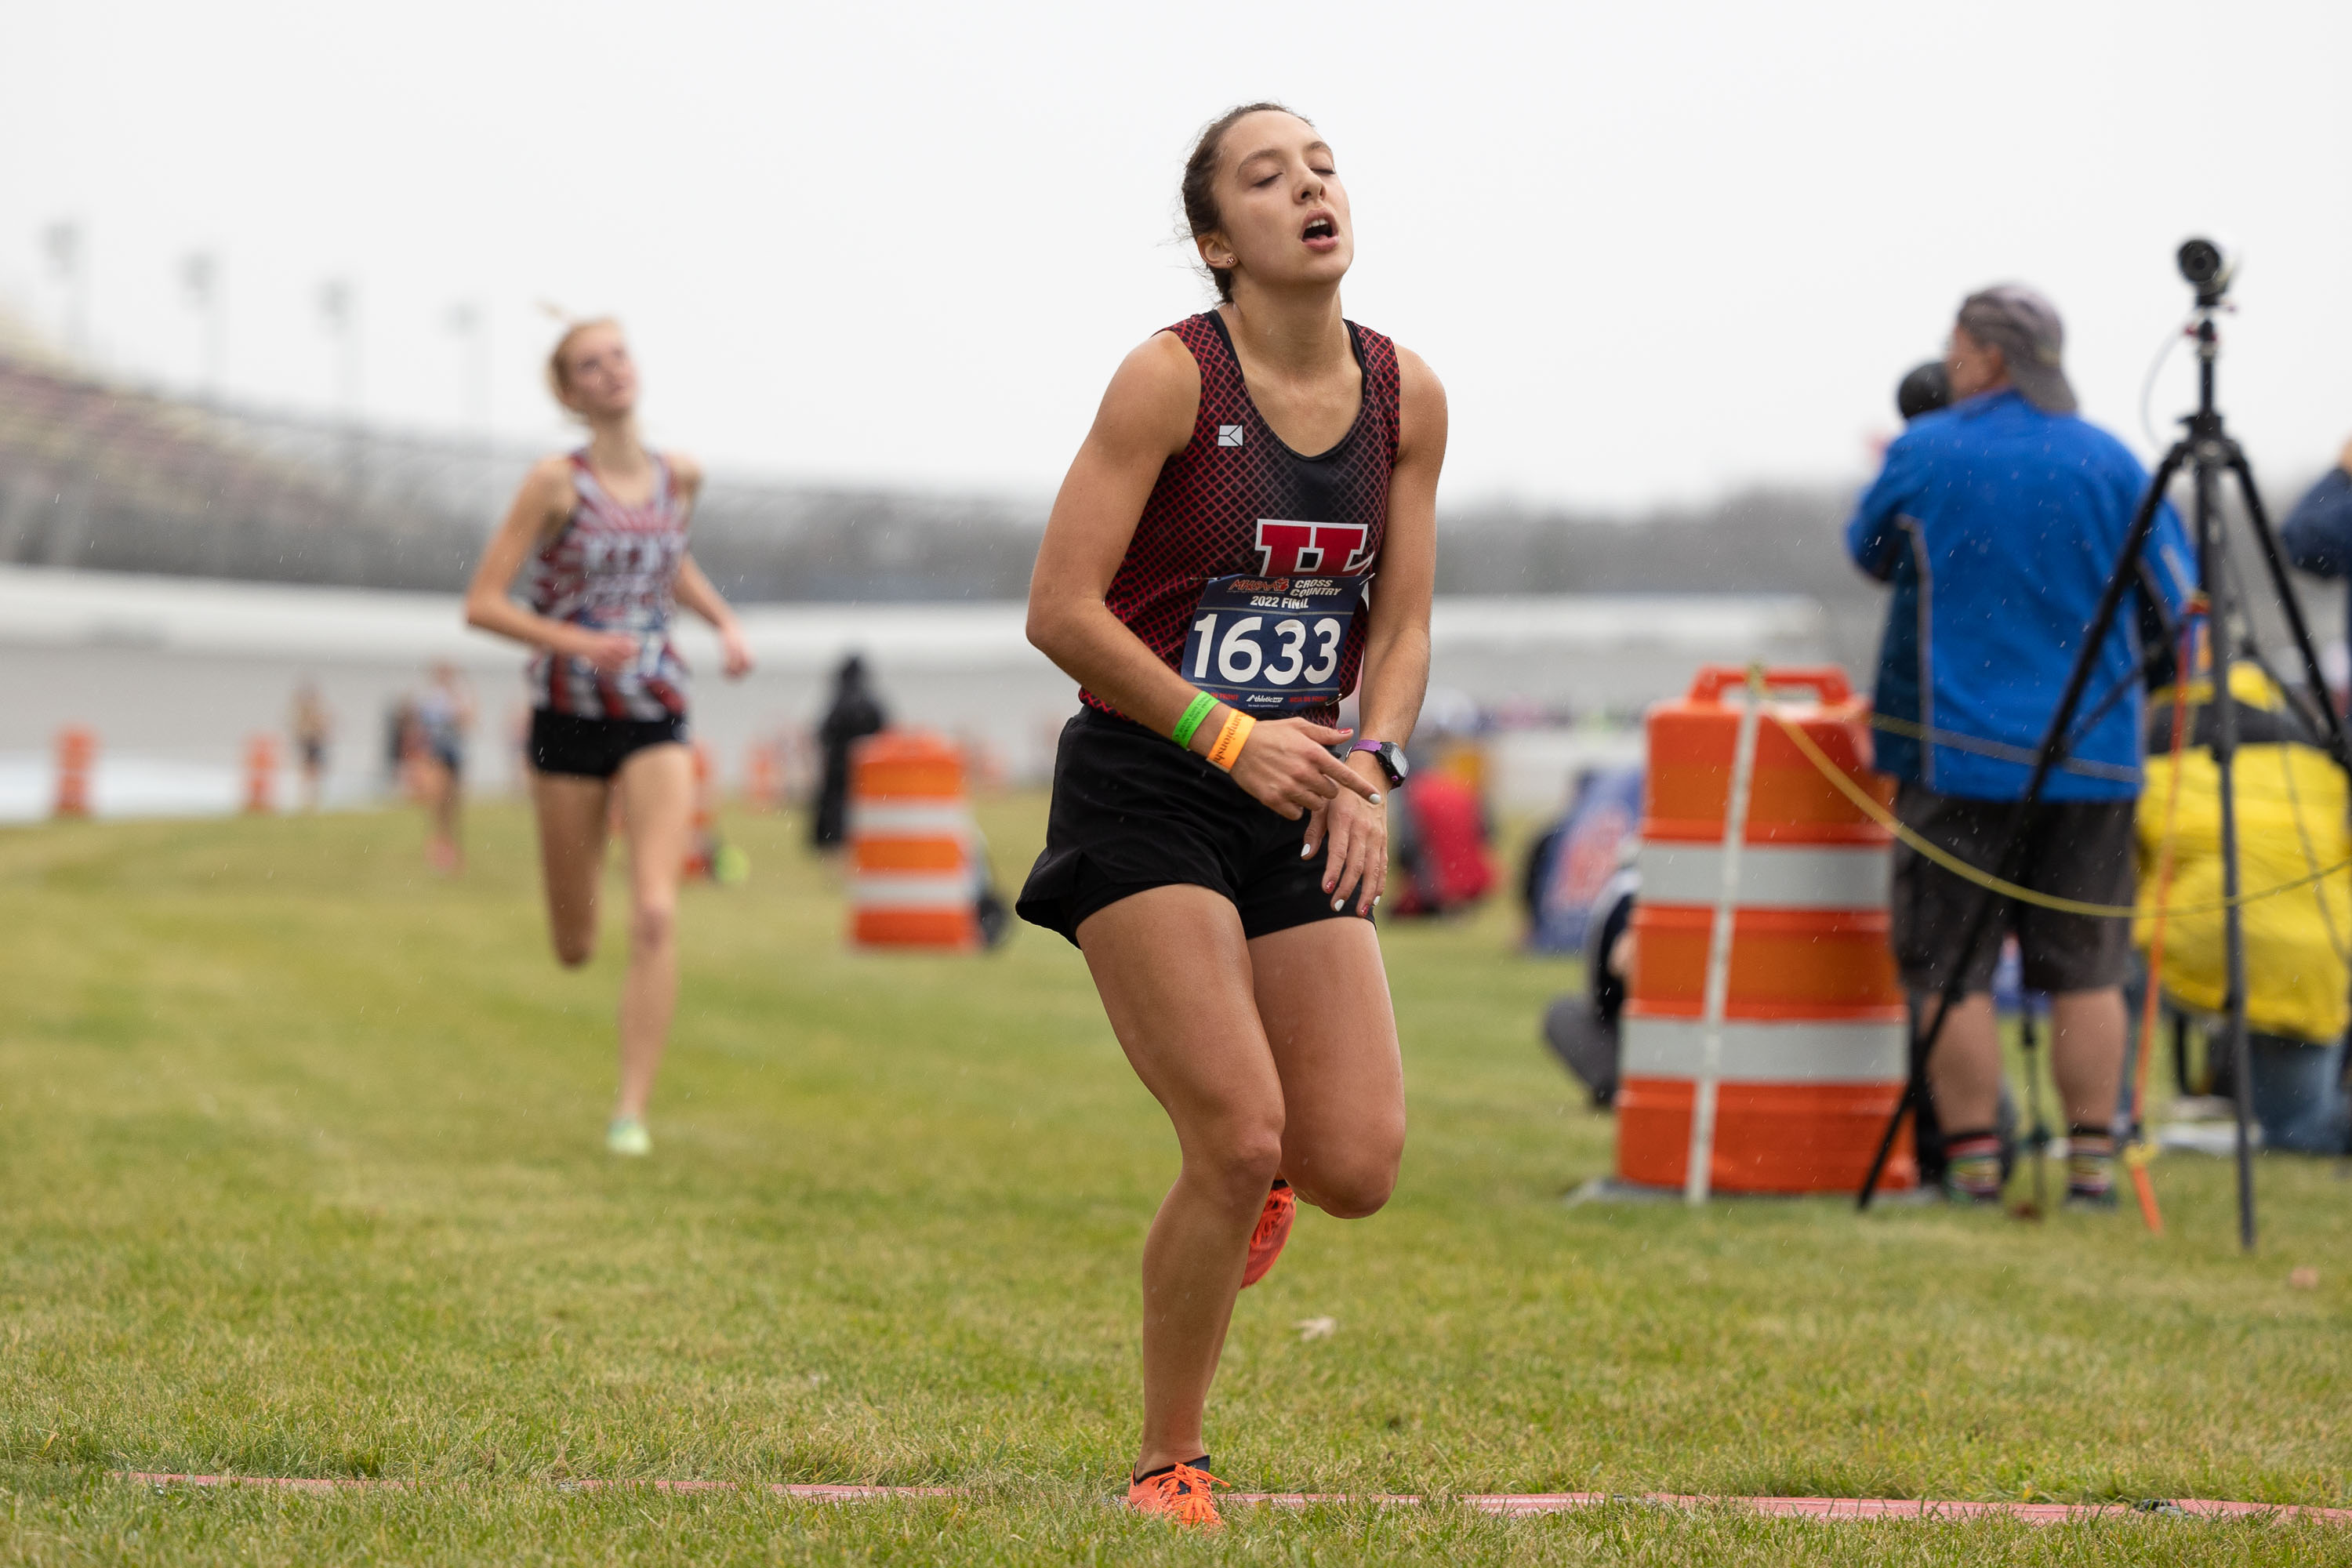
(2291, 799)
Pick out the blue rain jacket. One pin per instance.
(1997, 524)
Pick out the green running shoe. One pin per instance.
(627, 1135)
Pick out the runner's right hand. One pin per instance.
(1286, 764)
(611, 652)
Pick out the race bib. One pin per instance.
(1270, 646)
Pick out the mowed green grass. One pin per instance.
(301, 1174)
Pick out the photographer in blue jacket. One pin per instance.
(1997, 521)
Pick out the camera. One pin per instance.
(1924, 391)
(2208, 265)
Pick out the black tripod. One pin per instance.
(2208, 452)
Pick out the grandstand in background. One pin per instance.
(171, 568)
(100, 474)
(95, 475)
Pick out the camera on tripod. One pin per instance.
(2208, 266)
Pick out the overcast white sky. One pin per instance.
(1655, 250)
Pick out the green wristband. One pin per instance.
(1199, 708)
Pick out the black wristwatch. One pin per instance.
(1390, 756)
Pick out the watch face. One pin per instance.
(1389, 755)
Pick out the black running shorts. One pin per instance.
(594, 748)
(2080, 850)
(1132, 810)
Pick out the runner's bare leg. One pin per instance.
(1321, 1103)
(1174, 973)
(656, 788)
(572, 814)
(1323, 999)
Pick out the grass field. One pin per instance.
(300, 1149)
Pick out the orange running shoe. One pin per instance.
(1273, 1230)
(1178, 1494)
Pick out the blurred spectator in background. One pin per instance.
(400, 745)
(1439, 837)
(444, 716)
(1441, 841)
(313, 727)
(1571, 864)
(854, 715)
(1582, 1027)
(1997, 521)
(2318, 533)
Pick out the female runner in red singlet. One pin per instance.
(603, 531)
(1210, 587)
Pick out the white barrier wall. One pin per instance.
(174, 673)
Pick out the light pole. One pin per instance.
(200, 285)
(339, 313)
(68, 250)
(470, 322)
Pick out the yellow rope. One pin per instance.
(1878, 814)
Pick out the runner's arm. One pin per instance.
(539, 507)
(1146, 418)
(1396, 637)
(694, 590)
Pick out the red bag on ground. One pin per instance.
(1446, 864)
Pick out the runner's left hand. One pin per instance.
(735, 654)
(1359, 835)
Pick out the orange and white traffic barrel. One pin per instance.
(77, 761)
(1800, 1043)
(913, 850)
(260, 775)
(764, 777)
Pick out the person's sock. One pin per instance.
(2089, 1163)
(1200, 1464)
(1972, 1165)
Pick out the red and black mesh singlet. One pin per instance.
(612, 567)
(1236, 500)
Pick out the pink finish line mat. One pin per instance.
(1505, 1503)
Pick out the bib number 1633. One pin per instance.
(1271, 645)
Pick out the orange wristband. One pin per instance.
(1231, 738)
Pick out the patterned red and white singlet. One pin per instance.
(1236, 500)
(614, 567)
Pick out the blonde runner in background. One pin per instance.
(602, 531)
